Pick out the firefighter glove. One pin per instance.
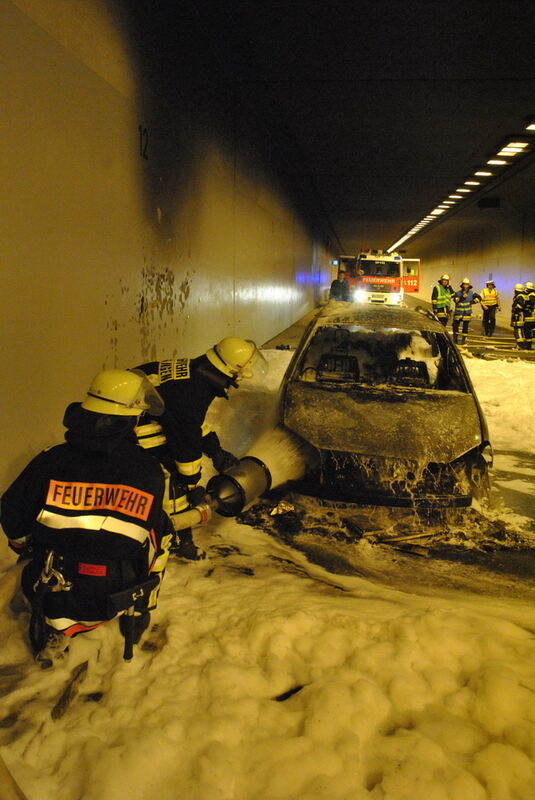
(197, 495)
(223, 460)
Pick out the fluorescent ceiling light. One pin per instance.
(510, 151)
(463, 190)
(518, 144)
(448, 203)
(496, 161)
(455, 196)
(483, 173)
(472, 183)
(436, 211)
(531, 126)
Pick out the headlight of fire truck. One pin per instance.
(360, 296)
(395, 298)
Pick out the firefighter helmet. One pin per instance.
(490, 281)
(519, 287)
(444, 278)
(529, 286)
(124, 393)
(465, 280)
(237, 358)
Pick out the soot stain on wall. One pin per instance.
(157, 303)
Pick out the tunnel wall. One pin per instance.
(129, 234)
(484, 243)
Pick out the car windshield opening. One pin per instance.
(347, 355)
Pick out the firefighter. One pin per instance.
(490, 303)
(339, 287)
(180, 436)
(87, 515)
(529, 313)
(518, 313)
(464, 299)
(442, 299)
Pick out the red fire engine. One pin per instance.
(382, 278)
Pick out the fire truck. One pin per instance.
(380, 278)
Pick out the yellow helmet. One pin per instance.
(465, 280)
(444, 278)
(236, 357)
(519, 287)
(124, 393)
(529, 286)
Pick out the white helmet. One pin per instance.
(490, 281)
(519, 287)
(444, 278)
(122, 392)
(465, 280)
(529, 285)
(237, 358)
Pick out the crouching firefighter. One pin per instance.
(180, 436)
(87, 515)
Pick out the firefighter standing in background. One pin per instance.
(464, 300)
(490, 303)
(529, 313)
(518, 309)
(88, 515)
(180, 436)
(442, 299)
(339, 287)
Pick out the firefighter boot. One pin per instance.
(185, 547)
(57, 644)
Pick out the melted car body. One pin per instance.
(384, 398)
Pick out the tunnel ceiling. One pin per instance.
(381, 107)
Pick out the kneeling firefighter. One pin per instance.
(88, 516)
(180, 436)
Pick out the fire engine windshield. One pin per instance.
(374, 267)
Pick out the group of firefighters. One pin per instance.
(93, 520)
(446, 300)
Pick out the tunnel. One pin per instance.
(175, 172)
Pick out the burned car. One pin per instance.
(383, 397)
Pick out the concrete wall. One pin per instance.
(130, 231)
(484, 242)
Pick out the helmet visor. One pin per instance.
(257, 366)
(148, 398)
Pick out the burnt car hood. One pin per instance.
(437, 426)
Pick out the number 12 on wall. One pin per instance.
(143, 141)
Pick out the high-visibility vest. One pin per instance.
(490, 297)
(443, 297)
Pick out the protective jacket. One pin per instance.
(529, 309)
(96, 502)
(179, 437)
(339, 290)
(442, 299)
(464, 302)
(518, 309)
